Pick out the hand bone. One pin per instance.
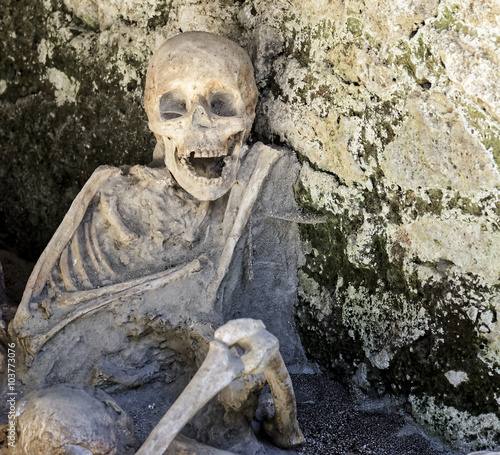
(251, 335)
(262, 355)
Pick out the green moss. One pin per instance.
(434, 206)
(307, 92)
(275, 88)
(420, 368)
(354, 27)
(468, 207)
(417, 52)
(19, 63)
(451, 341)
(323, 30)
(486, 127)
(447, 20)
(430, 58)
(80, 22)
(492, 143)
(299, 44)
(404, 60)
(383, 117)
(327, 341)
(161, 14)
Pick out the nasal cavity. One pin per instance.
(200, 116)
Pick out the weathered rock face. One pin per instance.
(394, 108)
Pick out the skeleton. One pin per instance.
(134, 277)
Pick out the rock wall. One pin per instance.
(394, 110)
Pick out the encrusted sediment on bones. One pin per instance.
(205, 163)
(220, 367)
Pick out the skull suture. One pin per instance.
(200, 100)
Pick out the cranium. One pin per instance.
(200, 99)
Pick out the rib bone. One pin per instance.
(101, 297)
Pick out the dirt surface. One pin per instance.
(334, 421)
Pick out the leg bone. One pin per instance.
(182, 445)
(283, 428)
(218, 370)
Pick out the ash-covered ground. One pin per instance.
(335, 422)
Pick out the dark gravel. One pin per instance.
(335, 422)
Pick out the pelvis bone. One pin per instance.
(221, 366)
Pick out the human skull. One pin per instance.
(200, 99)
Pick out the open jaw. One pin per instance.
(209, 165)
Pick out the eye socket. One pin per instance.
(223, 104)
(172, 105)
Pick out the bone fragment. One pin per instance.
(71, 298)
(90, 250)
(300, 217)
(110, 213)
(250, 334)
(78, 262)
(65, 272)
(126, 290)
(95, 244)
(55, 286)
(266, 159)
(67, 228)
(77, 450)
(218, 370)
(71, 419)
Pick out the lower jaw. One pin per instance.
(219, 180)
(203, 188)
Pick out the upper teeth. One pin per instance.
(203, 153)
